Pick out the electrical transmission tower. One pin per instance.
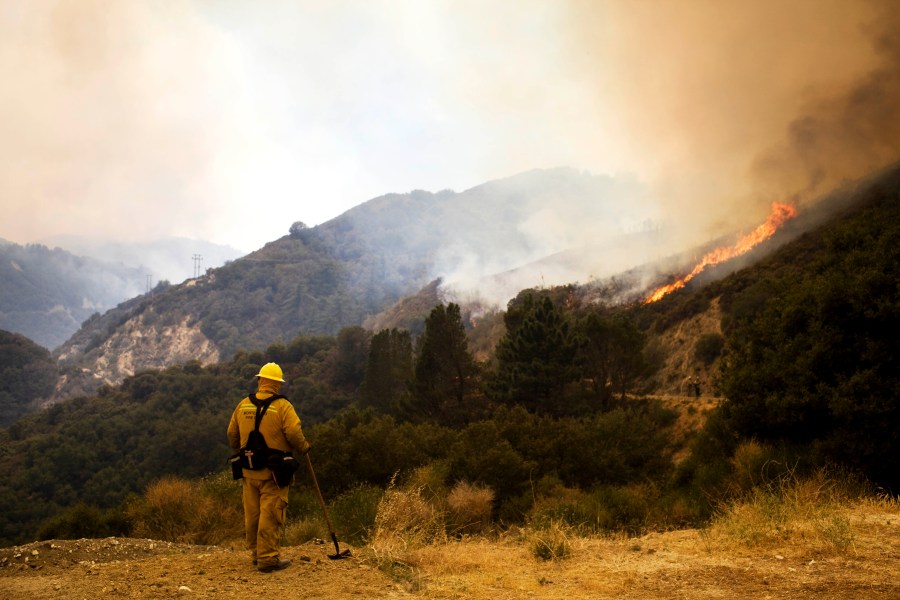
(198, 258)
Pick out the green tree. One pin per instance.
(610, 355)
(389, 372)
(444, 366)
(350, 360)
(627, 360)
(27, 373)
(595, 353)
(709, 347)
(535, 359)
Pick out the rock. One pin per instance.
(183, 589)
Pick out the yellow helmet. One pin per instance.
(271, 371)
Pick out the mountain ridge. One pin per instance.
(319, 279)
(349, 270)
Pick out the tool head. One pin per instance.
(338, 554)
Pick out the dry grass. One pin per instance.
(552, 542)
(404, 523)
(810, 538)
(814, 510)
(469, 508)
(790, 538)
(177, 510)
(300, 531)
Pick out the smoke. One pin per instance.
(722, 108)
(115, 124)
(139, 120)
(846, 134)
(729, 106)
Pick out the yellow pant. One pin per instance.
(265, 505)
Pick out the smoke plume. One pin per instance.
(138, 120)
(729, 106)
(845, 134)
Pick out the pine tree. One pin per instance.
(389, 372)
(535, 359)
(444, 367)
(350, 360)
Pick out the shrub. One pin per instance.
(84, 521)
(222, 488)
(469, 507)
(753, 464)
(304, 530)
(625, 508)
(571, 507)
(304, 504)
(406, 514)
(354, 512)
(431, 479)
(551, 542)
(175, 510)
(709, 347)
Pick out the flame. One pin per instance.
(780, 213)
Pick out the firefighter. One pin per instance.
(265, 502)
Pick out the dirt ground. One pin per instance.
(138, 568)
(672, 565)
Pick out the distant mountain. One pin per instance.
(47, 290)
(46, 294)
(536, 229)
(320, 279)
(167, 259)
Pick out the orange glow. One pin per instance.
(780, 213)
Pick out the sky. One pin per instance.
(228, 120)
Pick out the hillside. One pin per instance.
(27, 374)
(320, 279)
(677, 564)
(47, 294)
(809, 326)
(373, 265)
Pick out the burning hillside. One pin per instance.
(777, 217)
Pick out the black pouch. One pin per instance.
(283, 467)
(256, 454)
(237, 472)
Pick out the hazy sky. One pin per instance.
(227, 120)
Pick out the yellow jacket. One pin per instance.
(280, 426)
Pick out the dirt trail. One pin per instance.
(684, 564)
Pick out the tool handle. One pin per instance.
(312, 474)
